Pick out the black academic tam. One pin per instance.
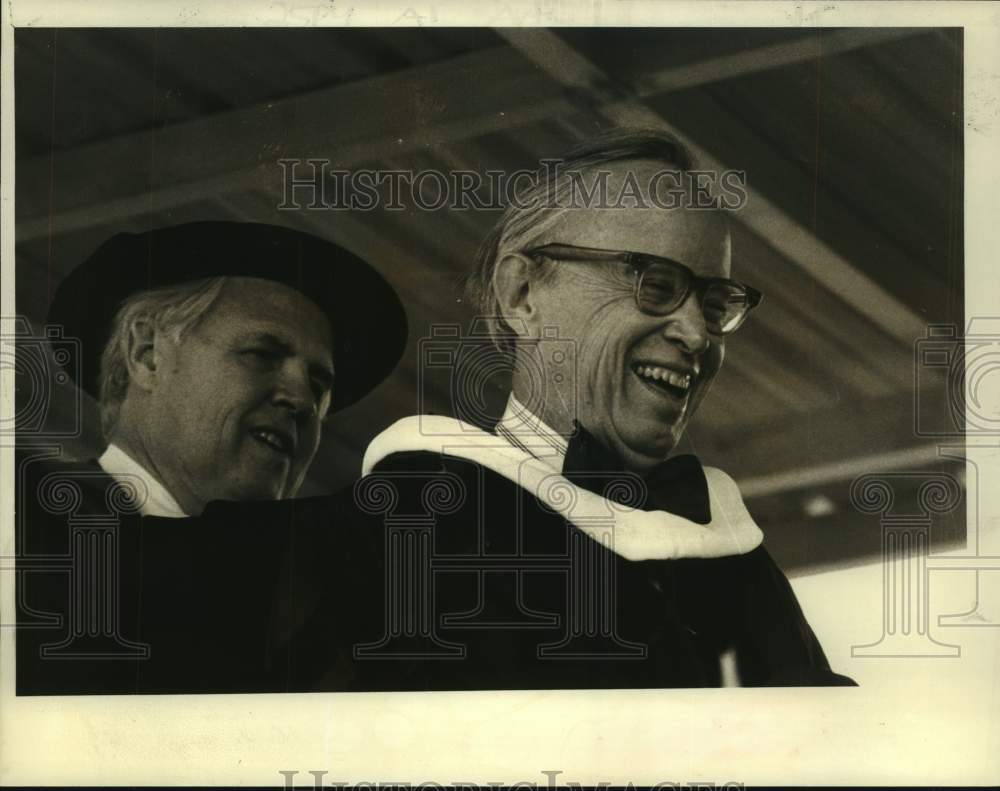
(368, 321)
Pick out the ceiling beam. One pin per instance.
(620, 105)
(806, 449)
(352, 124)
(817, 475)
(381, 116)
(771, 56)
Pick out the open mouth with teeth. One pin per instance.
(277, 441)
(664, 380)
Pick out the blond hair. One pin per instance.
(171, 310)
(537, 208)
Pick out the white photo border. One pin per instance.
(922, 725)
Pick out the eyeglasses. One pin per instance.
(662, 285)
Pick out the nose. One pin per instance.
(687, 326)
(293, 390)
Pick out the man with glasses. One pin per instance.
(598, 560)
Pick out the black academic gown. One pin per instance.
(506, 603)
(394, 584)
(153, 605)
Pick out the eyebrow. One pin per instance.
(323, 372)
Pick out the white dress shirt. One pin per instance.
(159, 502)
(523, 429)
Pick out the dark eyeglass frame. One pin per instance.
(640, 263)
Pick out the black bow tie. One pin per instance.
(677, 485)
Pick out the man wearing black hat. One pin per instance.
(212, 348)
(215, 350)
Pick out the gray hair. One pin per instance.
(171, 310)
(537, 208)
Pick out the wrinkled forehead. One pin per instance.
(633, 220)
(255, 301)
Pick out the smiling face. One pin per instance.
(234, 409)
(626, 361)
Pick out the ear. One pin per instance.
(515, 286)
(142, 355)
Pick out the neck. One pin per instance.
(638, 463)
(131, 440)
(559, 421)
(562, 422)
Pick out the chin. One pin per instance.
(652, 437)
(640, 454)
(266, 489)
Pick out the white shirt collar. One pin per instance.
(523, 429)
(643, 535)
(159, 502)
